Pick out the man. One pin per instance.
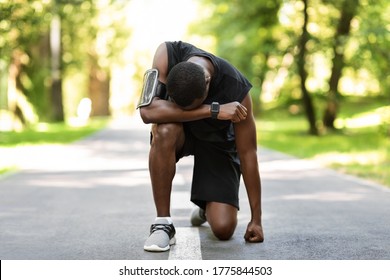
(208, 114)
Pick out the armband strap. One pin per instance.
(161, 91)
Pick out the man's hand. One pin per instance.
(254, 233)
(233, 111)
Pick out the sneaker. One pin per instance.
(198, 217)
(162, 236)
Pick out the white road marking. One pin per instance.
(187, 245)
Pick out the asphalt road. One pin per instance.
(93, 200)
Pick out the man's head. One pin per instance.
(187, 85)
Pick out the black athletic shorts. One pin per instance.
(216, 174)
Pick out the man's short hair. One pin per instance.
(186, 82)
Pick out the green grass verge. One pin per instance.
(50, 133)
(47, 134)
(4, 170)
(363, 151)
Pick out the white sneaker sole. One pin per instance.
(156, 248)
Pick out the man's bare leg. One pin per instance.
(222, 219)
(167, 140)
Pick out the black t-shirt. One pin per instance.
(227, 85)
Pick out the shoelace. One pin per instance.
(168, 229)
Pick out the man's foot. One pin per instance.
(162, 236)
(198, 217)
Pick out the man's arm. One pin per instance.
(162, 111)
(246, 143)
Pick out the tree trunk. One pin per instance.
(56, 85)
(348, 11)
(257, 96)
(4, 65)
(15, 69)
(99, 89)
(306, 98)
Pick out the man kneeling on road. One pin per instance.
(199, 104)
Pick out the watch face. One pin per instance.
(214, 107)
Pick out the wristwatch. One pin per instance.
(214, 110)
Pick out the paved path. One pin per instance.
(92, 200)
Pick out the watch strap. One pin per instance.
(214, 110)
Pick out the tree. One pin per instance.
(22, 24)
(348, 11)
(57, 112)
(306, 98)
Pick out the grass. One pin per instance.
(6, 169)
(46, 134)
(362, 150)
(50, 133)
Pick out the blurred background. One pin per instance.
(320, 68)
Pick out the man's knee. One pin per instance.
(166, 135)
(224, 229)
(222, 219)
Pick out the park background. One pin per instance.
(320, 70)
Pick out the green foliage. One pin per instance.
(371, 41)
(21, 24)
(90, 28)
(249, 28)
